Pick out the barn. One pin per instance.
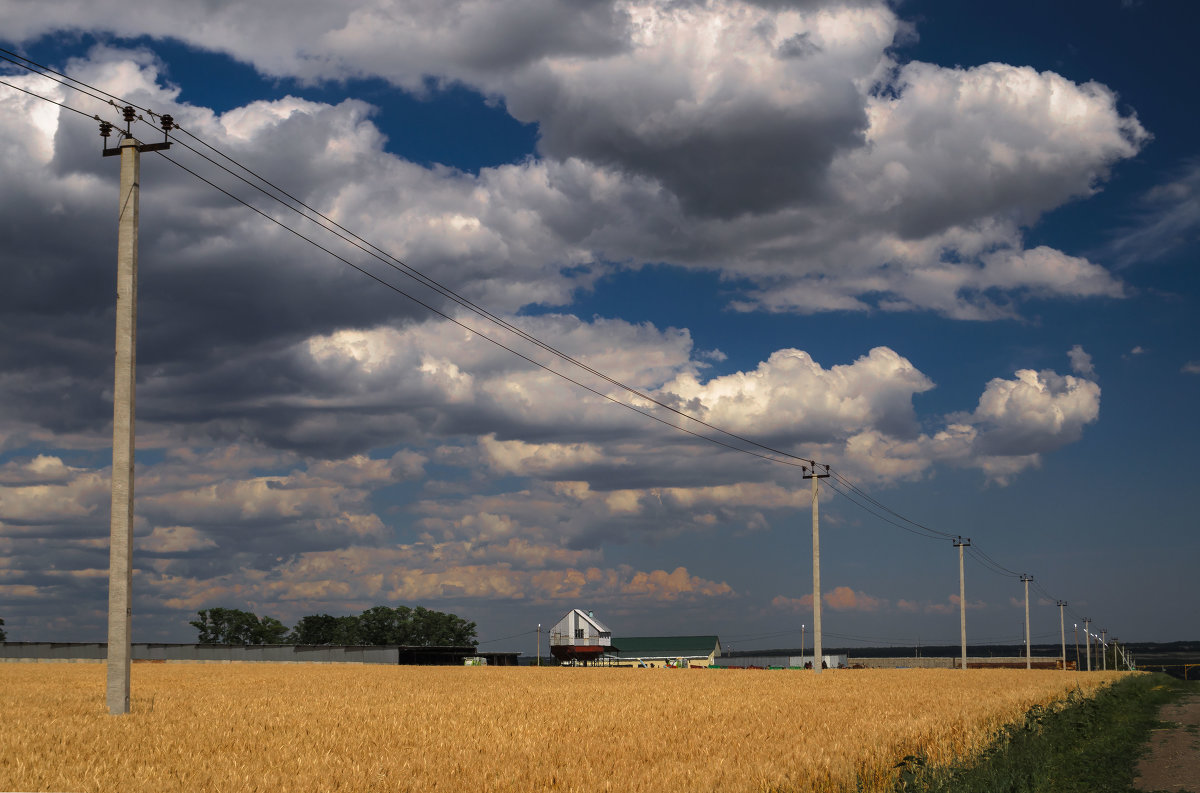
(676, 651)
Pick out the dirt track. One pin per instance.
(1172, 761)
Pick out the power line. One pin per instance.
(980, 555)
(870, 499)
(800, 461)
(506, 638)
(400, 266)
(48, 99)
(985, 562)
(854, 499)
(466, 327)
(844, 486)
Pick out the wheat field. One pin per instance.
(318, 727)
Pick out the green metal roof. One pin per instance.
(664, 646)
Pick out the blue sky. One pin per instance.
(946, 249)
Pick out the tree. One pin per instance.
(436, 628)
(379, 625)
(3, 635)
(325, 629)
(234, 626)
(271, 631)
(383, 625)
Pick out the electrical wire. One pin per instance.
(400, 266)
(844, 487)
(989, 566)
(800, 460)
(506, 638)
(48, 99)
(854, 499)
(466, 327)
(977, 552)
(870, 499)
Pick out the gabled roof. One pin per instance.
(665, 646)
(597, 624)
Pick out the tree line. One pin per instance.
(415, 627)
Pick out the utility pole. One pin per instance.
(1028, 654)
(1125, 658)
(802, 644)
(1087, 641)
(120, 550)
(811, 473)
(1104, 649)
(960, 543)
(1062, 629)
(539, 644)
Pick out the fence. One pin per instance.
(765, 660)
(832, 661)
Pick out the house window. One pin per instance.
(579, 633)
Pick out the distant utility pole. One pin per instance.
(1028, 654)
(1087, 641)
(1075, 630)
(1104, 649)
(960, 543)
(811, 473)
(1125, 658)
(120, 551)
(1062, 629)
(802, 644)
(539, 645)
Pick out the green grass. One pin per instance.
(1085, 746)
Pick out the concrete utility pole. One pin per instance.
(539, 645)
(120, 552)
(1028, 654)
(1125, 659)
(1075, 631)
(1087, 641)
(1104, 649)
(1062, 629)
(811, 473)
(960, 543)
(802, 644)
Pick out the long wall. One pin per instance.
(216, 653)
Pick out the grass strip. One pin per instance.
(1085, 745)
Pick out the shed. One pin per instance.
(665, 651)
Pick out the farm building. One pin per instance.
(579, 637)
(403, 655)
(664, 651)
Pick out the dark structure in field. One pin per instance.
(218, 653)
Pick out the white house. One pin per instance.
(579, 636)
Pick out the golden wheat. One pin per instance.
(268, 727)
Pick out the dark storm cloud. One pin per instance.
(752, 161)
(520, 33)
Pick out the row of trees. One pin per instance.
(418, 627)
